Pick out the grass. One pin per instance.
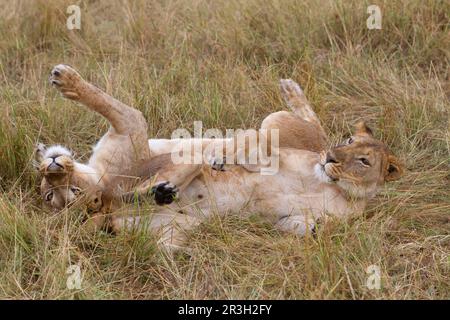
(220, 62)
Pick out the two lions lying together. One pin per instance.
(312, 182)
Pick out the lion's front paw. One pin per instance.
(164, 192)
(67, 81)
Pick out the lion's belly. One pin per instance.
(220, 192)
(237, 191)
(286, 193)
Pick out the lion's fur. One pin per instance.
(311, 183)
(296, 196)
(125, 163)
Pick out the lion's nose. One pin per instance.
(53, 167)
(331, 158)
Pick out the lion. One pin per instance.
(124, 153)
(64, 179)
(115, 156)
(311, 182)
(310, 185)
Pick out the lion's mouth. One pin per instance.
(326, 170)
(55, 167)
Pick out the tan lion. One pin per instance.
(117, 156)
(309, 184)
(124, 153)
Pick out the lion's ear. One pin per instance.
(362, 129)
(394, 169)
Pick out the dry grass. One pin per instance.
(219, 62)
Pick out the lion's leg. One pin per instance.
(166, 184)
(299, 129)
(96, 222)
(168, 225)
(297, 224)
(287, 212)
(125, 143)
(296, 100)
(124, 120)
(180, 175)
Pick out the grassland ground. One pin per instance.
(220, 62)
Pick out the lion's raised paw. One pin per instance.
(66, 80)
(290, 89)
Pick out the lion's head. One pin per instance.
(63, 178)
(360, 164)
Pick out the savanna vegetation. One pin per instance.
(220, 62)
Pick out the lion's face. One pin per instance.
(360, 164)
(61, 183)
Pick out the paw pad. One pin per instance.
(66, 80)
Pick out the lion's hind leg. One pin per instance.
(169, 226)
(296, 224)
(299, 129)
(296, 100)
(124, 119)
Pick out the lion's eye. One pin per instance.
(364, 161)
(49, 196)
(75, 190)
(350, 140)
